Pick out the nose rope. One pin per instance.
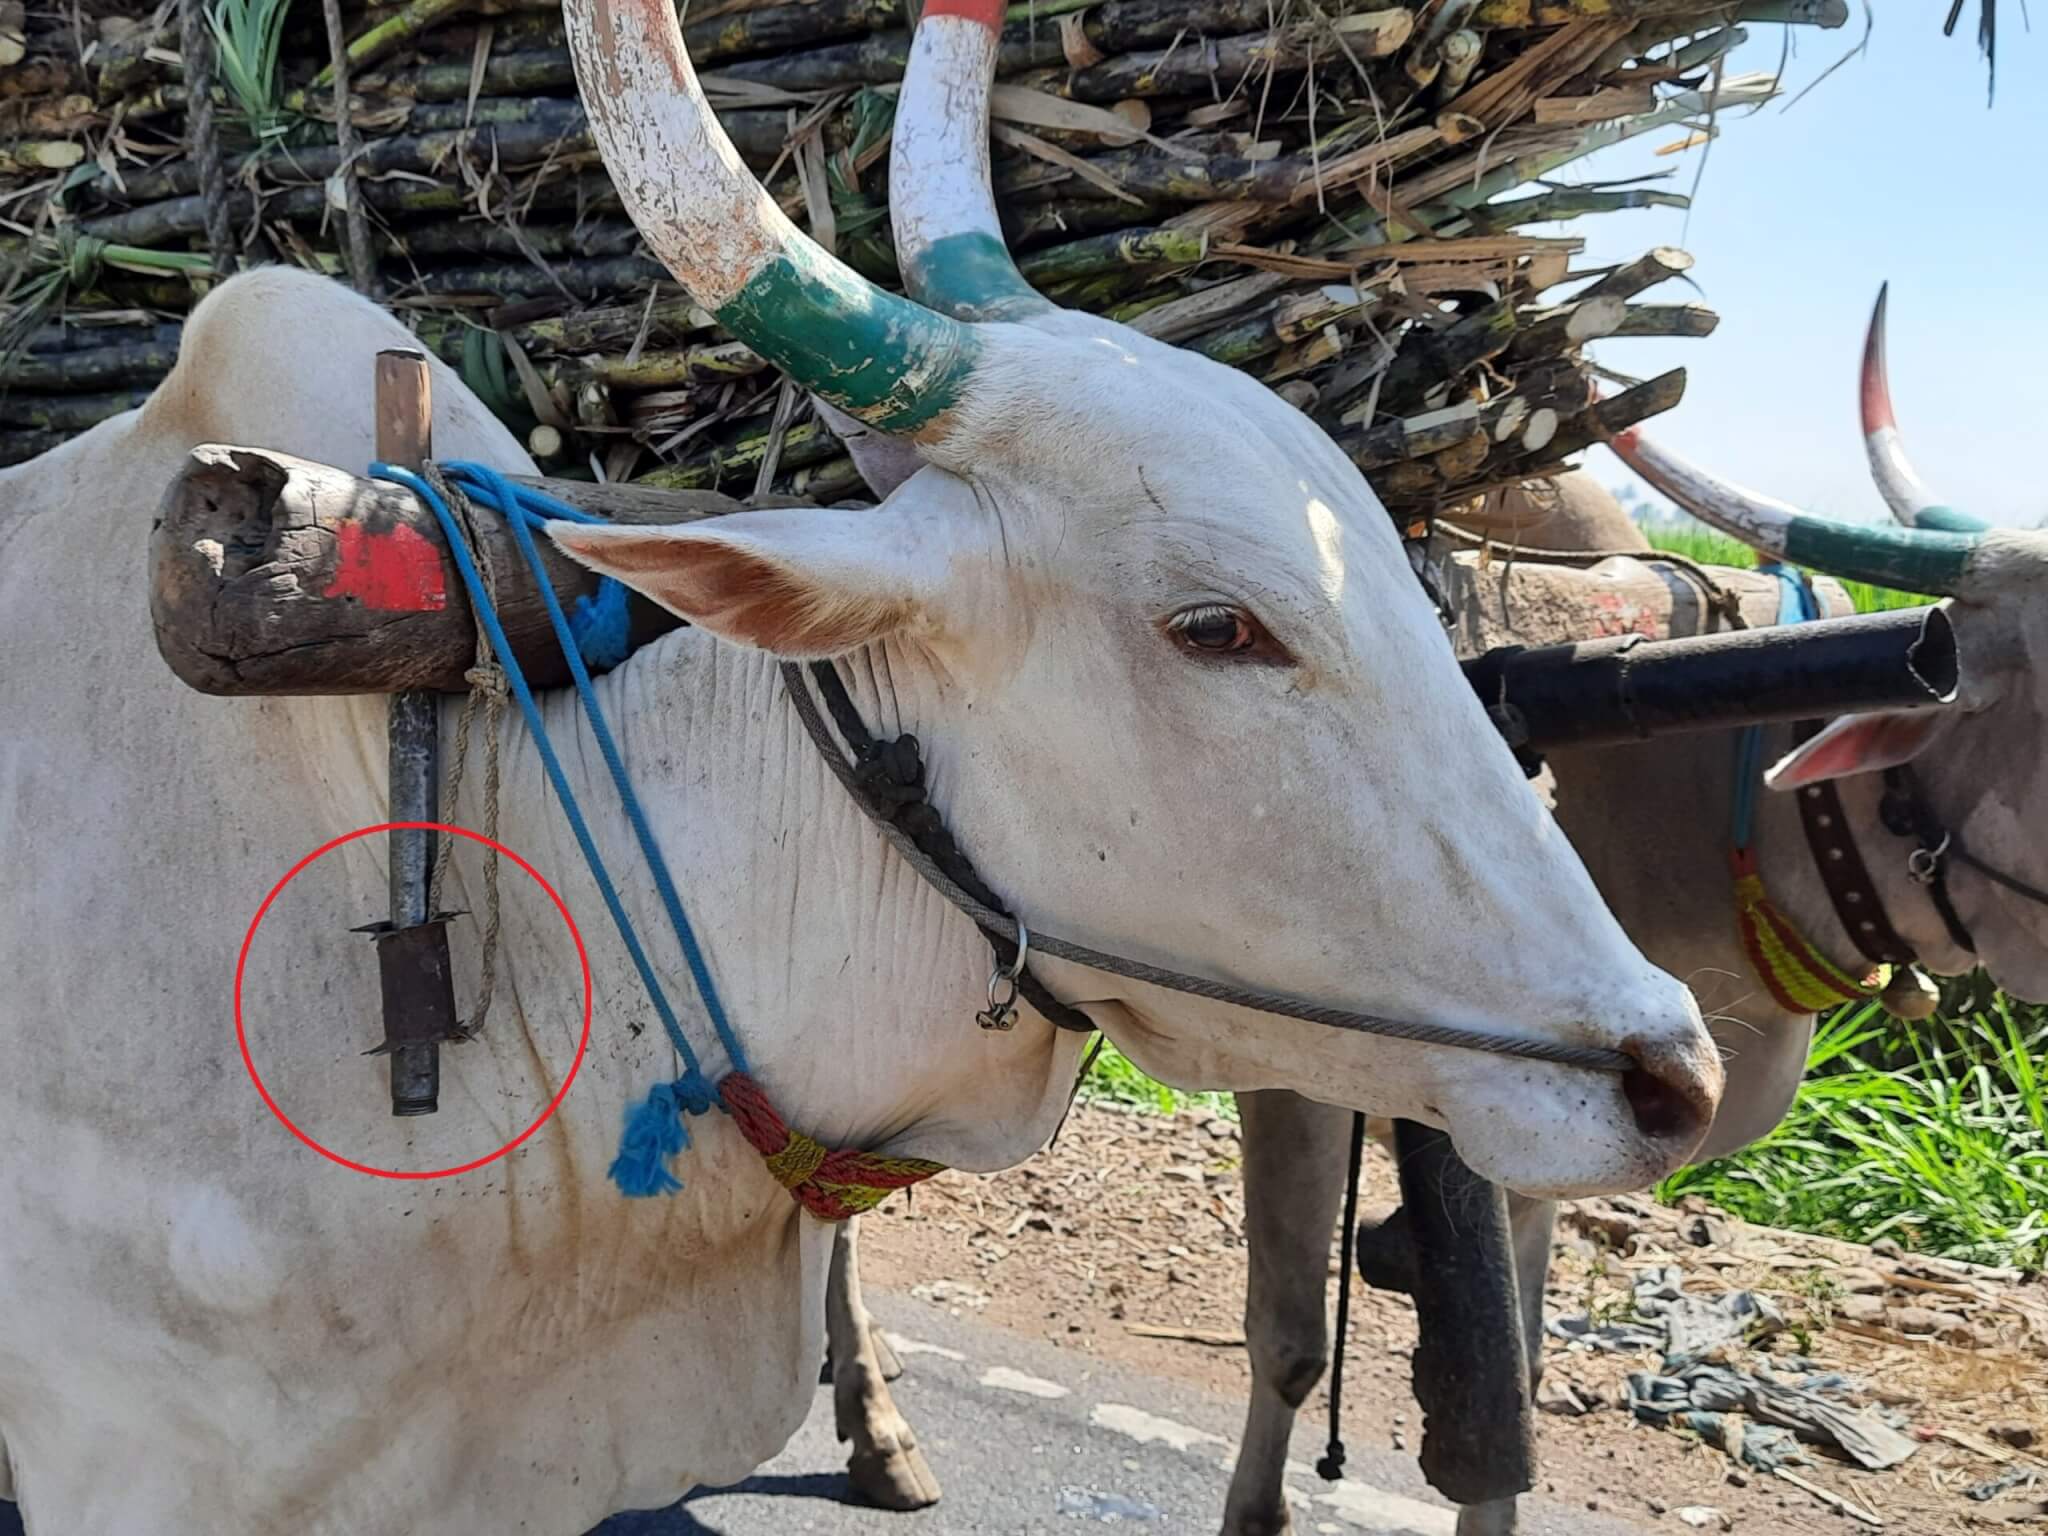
(1595, 1058)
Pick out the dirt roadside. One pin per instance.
(1125, 1240)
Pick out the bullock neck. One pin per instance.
(1795, 884)
(852, 984)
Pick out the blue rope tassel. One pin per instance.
(654, 1130)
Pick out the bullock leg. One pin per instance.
(1530, 1223)
(1294, 1154)
(884, 1355)
(885, 1466)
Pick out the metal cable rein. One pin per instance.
(1595, 1058)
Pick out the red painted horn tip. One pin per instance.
(988, 12)
(1876, 395)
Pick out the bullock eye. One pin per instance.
(1224, 632)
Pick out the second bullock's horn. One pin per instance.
(1909, 559)
(891, 362)
(1903, 489)
(941, 210)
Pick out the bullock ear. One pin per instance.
(805, 583)
(1858, 744)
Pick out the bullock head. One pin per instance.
(1181, 696)
(1983, 764)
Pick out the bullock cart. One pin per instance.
(272, 575)
(1454, 404)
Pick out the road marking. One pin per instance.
(903, 1346)
(1149, 1428)
(1374, 1509)
(1001, 1376)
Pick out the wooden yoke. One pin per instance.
(271, 574)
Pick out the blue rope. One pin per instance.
(654, 1129)
(602, 625)
(1796, 605)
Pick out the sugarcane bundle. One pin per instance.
(1328, 194)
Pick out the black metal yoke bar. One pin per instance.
(1602, 692)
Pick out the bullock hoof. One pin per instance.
(885, 1357)
(1496, 1517)
(893, 1474)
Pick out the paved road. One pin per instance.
(1029, 1440)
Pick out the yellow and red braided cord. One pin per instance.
(1799, 976)
(830, 1185)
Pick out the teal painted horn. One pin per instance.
(892, 363)
(1904, 491)
(1909, 559)
(949, 241)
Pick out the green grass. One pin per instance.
(1113, 1080)
(1935, 1136)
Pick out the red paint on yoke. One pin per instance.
(394, 572)
(988, 12)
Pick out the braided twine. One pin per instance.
(486, 681)
(831, 1185)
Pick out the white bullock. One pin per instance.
(1662, 869)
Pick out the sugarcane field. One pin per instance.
(1212, 766)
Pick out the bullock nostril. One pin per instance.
(1663, 1111)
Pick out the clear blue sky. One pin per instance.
(1892, 168)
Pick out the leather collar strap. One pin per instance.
(1844, 875)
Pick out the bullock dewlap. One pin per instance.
(1178, 695)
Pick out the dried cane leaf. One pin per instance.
(1021, 104)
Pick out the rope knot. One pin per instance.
(82, 255)
(694, 1093)
(799, 1158)
(489, 681)
(892, 773)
